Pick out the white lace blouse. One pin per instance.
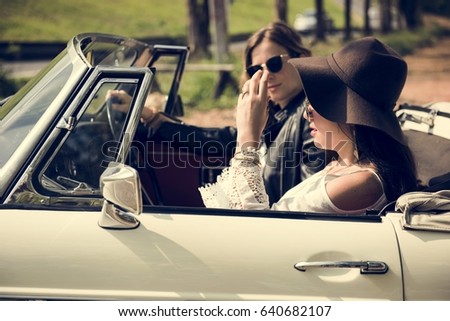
(241, 186)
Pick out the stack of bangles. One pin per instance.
(249, 155)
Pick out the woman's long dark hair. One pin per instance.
(394, 161)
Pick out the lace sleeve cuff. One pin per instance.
(238, 187)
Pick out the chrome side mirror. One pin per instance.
(121, 188)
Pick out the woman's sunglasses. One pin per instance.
(273, 64)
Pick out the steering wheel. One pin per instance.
(115, 117)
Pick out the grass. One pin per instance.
(60, 20)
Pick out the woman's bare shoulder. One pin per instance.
(355, 190)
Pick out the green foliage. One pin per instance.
(60, 20)
(405, 42)
(197, 88)
(246, 16)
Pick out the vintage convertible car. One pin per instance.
(74, 179)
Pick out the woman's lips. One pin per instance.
(313, 130)
(273, 87)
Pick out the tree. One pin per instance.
(386, 15)
(198, 28)
(411, 10)
(367, 28)
(320, 27)
(219, 20)
(281, 10)
(348, 21)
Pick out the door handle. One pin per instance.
(365, 267)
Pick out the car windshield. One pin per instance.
(104, 50)
(23, 111)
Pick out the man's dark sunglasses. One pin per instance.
(273, 64)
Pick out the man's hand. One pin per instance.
(120, 100)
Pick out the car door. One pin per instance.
(197, 254)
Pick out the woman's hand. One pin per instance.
(251, 111)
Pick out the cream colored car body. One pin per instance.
(192, 257)
(67, 255)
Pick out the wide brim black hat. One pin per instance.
(359, 84)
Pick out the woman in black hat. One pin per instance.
(350, 96)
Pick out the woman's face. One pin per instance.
(327, 134)
(283, 85)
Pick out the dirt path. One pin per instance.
(429, 70)
(429, 75)
(428, 81)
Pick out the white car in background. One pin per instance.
(306, 22)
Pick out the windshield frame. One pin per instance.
(59, 77)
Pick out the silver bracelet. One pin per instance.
(249, 154)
